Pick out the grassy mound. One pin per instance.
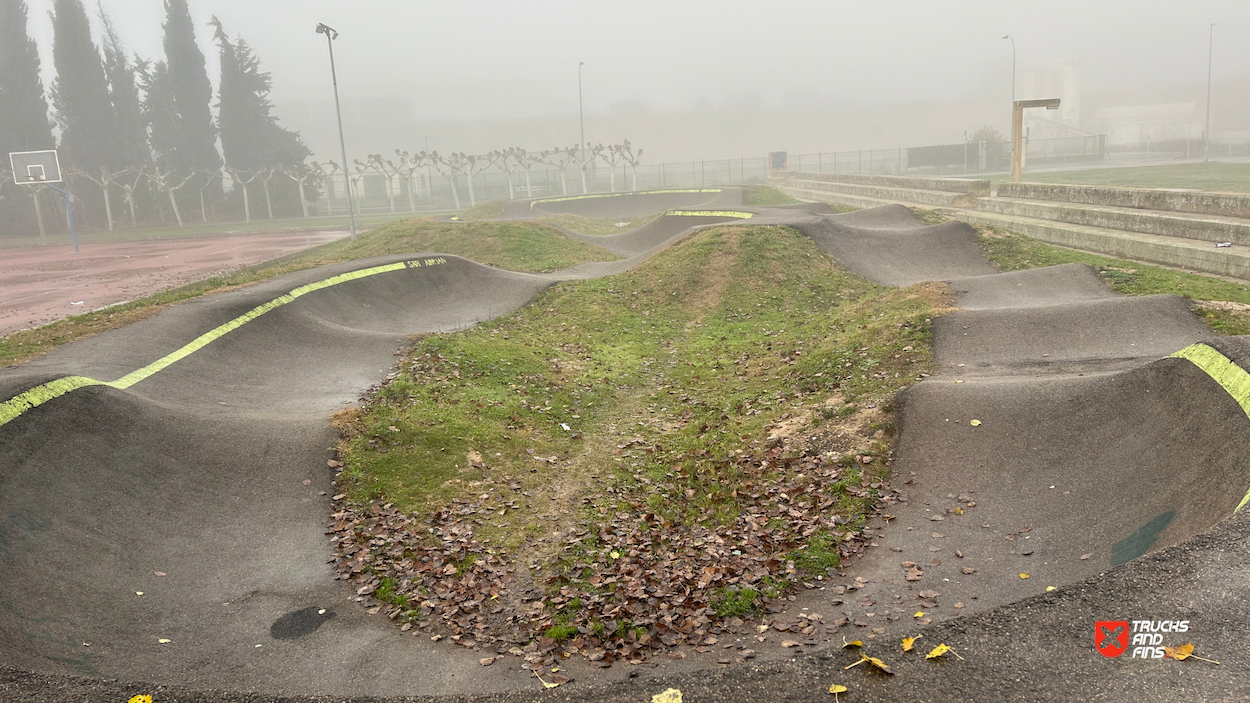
(1224, 304)
(492, 210)
(702, 432)
(511, 245)
(764, 196)
(586, 225)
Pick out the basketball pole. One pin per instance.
(69, 212)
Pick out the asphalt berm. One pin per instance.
(165, 536)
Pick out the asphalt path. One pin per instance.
(1113, 466)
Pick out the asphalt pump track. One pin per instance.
(1107, 459)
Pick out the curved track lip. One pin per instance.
(351, 654)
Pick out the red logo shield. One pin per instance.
(1111, 637)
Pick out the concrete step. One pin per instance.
(1170, 251)
(1171, 200)
(954, 185)
(827, 196)
(1208, 228)
(913, 196)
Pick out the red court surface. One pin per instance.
(39, 285)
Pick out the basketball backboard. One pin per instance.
(32, 167)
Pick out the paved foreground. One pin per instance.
(1097, 463)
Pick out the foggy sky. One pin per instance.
(499, 61)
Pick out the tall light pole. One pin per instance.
(331, 35)
(1013, 67)
(1206, 137)
(581, 118)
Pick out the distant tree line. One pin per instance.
(138, 142)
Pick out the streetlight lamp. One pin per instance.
(1013, 67)
(331, 35)
(581, 118)
(1206, 137)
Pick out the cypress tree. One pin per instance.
(24, 124)
(251, 137)
(191, 144)
(80, 93)
(131, 139)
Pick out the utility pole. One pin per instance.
(1013, 67)
(331, 35)
(1206, 138)
(581, 118)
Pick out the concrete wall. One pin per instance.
(1207, 227)
(1199, 202)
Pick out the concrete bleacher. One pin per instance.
(869, 190)
(1173, 227)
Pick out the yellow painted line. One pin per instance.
(1231, 377)
(711, 213)
(33, 398)
(589, 196)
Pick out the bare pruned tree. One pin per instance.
(632, 158)
(562, 158)
(170, 182)
(302, 174)
(529, 161)
(509, 160)
(334, 168)
(408, 166)
(130, 186)
(612, 156)
(448, 167)
(243, 183)
(105, 182)
(473, 165)
(209, 180)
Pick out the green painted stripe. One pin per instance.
(1231, 377)
(711, 213)
(33, 398)
(619, 195)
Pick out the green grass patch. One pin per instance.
(586, 225)
(1223, 304)
(1205, 176)
(520, 246)
(492, 210)
(691, 356)
(764, 196)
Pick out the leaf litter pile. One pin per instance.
(631, 464)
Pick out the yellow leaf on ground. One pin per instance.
(1050, 588)
(1185, 651)
(940, 650)
(1024, 576)
(959, 511)
(919, 614)
(856, 643)
(672, 695)
(837, 688)
(162, 640)
(145, 698)
(976, 423)
(871, 660)
(910, 642)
